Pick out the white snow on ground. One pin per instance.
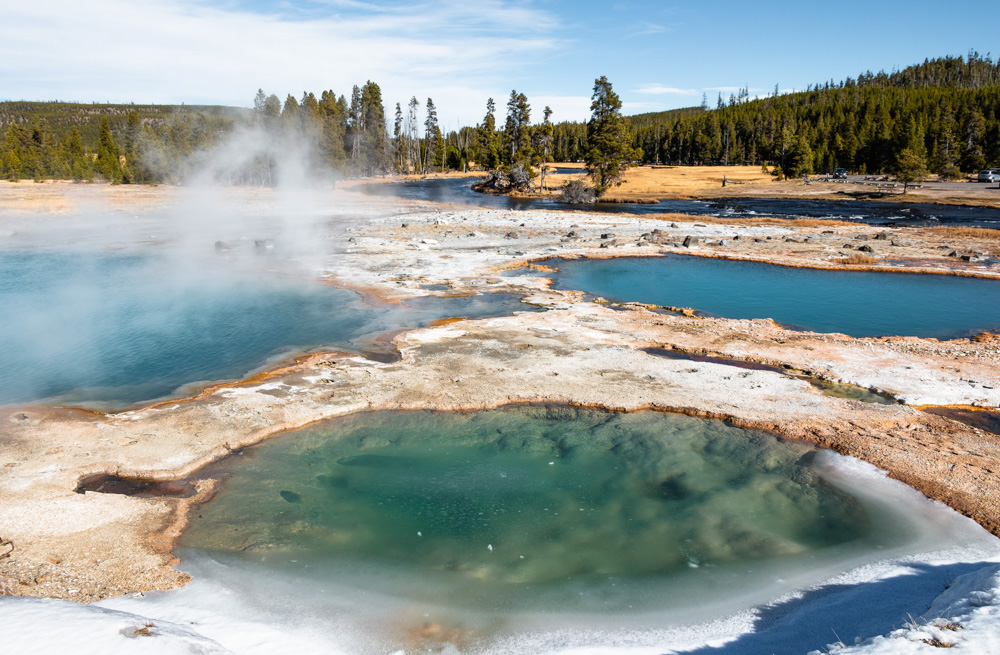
(45, 626)
(966, 617)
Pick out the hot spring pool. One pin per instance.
(106, 329)
(857, 303)
(496, 525)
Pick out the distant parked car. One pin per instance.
(840, 174)
(989, 175)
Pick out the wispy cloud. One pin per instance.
(194, 50)
(646, 27)
(659, 89)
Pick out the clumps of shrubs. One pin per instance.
(577, 193)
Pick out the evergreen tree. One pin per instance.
(516, 129)
(133, 170)
(80, 168)
(355, 128)
(333, 118)
(543, 147)
(108, 164)
(259, 105)
(272, 109)
(411, 133)
(290, 118)
(397, 137)
(609, 149)
(432, 136)
(800, 158)
(373, 125)
(489, 141)
(910, 168)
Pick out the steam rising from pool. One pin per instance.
(108, 306)
(104, 329)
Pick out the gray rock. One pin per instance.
(690, 241)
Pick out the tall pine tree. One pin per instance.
(609, 138)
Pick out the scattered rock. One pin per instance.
(511, 235)
(866, 248)
(690, 241)
(882, 236)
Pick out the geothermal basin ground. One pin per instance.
(64, 542)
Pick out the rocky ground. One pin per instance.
(90, 546)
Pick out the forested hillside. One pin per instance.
(947, 111)
(87, 141)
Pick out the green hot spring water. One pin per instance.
(535, 511)
(529, 529)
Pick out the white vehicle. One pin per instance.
(989, 175)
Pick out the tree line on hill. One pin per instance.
(943, 114)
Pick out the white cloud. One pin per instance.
(647, 27)
(185, 50)
(659, 89)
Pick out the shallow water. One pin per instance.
(827, 387)
(857, 303)
(508, 520)
(459, 191)
(106, 329)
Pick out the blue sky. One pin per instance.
(658, 55)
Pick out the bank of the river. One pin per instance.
(89, 546)
(650, 184)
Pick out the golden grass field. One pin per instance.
(651, 183)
